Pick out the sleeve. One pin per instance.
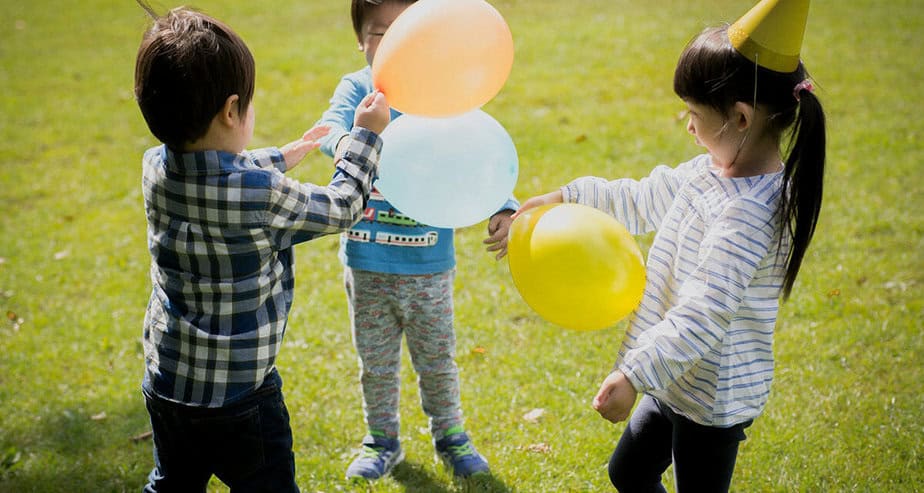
(708, 300)
(638, 204)
(339, 115)
(299, 212)
(268, 157)
(511, 204)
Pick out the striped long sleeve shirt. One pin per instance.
(221, 228)
(702, 339)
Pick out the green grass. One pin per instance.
(590, 93)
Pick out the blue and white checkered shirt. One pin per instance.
(221, 228)
(702, 339)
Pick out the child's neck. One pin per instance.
(760, 158)
(212, 143)
(218, 137)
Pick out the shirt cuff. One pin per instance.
(361, 156)
(512, 204)
(332, 141)
(570, 193)
(634, 378)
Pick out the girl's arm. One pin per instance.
(637, 204)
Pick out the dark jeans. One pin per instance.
(247, 445)
(703, 456)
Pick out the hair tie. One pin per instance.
(804, 85)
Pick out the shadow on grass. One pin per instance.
(85, 446)
(416, 479)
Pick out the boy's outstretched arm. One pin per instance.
(299, 212)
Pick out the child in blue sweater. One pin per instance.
(399, 283)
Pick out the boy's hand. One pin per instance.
(549, 198)
(498, 227)
(373, 113)
(615, 398)
(295, 151)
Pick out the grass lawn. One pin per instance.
(590, 93)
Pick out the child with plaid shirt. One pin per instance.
(222, 223)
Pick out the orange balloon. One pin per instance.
(443, 57)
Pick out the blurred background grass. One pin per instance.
(590, 93)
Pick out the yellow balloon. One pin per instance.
(576, 266)
(443, 57)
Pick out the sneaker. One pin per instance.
(458, 453)
(379, 455)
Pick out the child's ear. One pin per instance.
(229, 114)
(742, 116)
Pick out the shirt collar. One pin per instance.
(204, 162)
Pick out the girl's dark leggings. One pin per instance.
(703, 456)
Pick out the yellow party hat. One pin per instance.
(770, 34)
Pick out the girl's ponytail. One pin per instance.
(803, 181)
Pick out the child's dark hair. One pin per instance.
(187, 67)
(711, 72)
(361, 8)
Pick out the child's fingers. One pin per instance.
(376, 99)
(316, 132)
(369, 99)
(305, 146)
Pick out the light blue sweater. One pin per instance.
(385, 240)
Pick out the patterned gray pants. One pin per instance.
(385, 307)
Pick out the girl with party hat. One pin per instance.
(733, 226)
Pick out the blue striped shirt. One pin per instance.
(221, 228)
(702, 339)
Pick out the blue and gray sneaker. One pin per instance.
(458, 453)
(379, 455)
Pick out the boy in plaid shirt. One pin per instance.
(222, 222)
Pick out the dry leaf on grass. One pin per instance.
(534, 416)
(142, 436)
(539, 448)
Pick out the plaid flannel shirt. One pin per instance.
(221, 228)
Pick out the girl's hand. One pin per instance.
(549, 198)
(373, 113)
(498, 227)
(615, 398)
(295, 151)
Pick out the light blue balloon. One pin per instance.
(447, 172)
